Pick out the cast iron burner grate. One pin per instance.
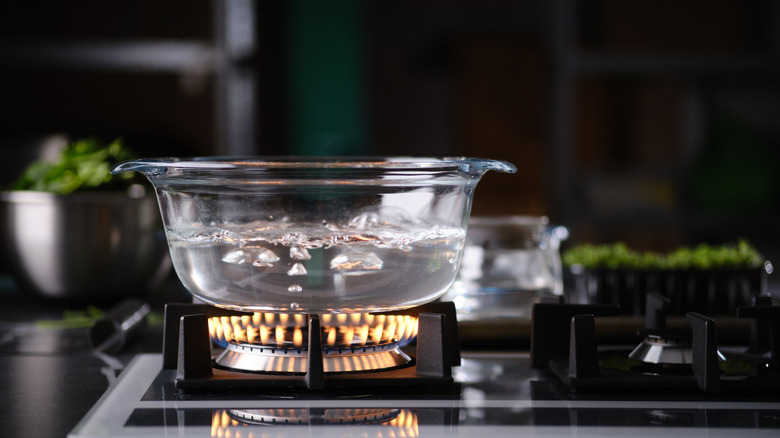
(187, 349)
(563, 340)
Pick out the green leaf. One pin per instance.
(82, 165)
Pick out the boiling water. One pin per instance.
(316, 268)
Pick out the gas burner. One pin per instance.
(314, 416)
(667, 346)
(664, 346)
(252, 358)
(267, 342)
(309, 351)
(563, 340)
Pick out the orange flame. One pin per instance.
(338, 331)
(280, 329)
(331, 338)
(298, 337)
(403, 424)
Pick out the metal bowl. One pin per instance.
(92, 245)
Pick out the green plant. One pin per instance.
(740, 255)
(82, 165)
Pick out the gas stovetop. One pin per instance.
(493, 393)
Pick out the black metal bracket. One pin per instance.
(705, 352)
(171, 321)
(315, 369)
(450, 323)
(656, 308)
(432, 349)
(583, 349)
(194, 355)
(551, 329)
(765, 333)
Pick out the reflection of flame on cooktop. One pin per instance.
(267, 342)
(233, 422)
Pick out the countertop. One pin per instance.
(51, 376)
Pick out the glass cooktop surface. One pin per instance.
(497, 394)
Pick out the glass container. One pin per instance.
(509, 263)
(315, 235)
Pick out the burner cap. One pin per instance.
(667, 345)
(664, 346)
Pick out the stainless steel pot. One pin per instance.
(83, 245)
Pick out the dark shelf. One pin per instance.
(670, 64)
(133, 56)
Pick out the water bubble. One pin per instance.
(385, 216)
(337, 239)
(260, 257)
(299, 253)
(331, 227)
(266, 255)
(295, 288)
(297, 269)
(252, 242)
(300, 239)
(202, 237)
(356, 263)
(226, 236)
(364, 220)
(237, 257)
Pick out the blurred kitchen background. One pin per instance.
(656, 123)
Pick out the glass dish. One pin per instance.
(315, 235)
(509, 263)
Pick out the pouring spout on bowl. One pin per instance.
(479, 166)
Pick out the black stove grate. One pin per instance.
(187, 349)
(563, 339)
